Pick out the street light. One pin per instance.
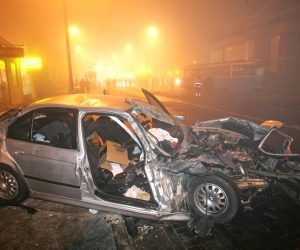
(76, 54)
(73, 30)
(152, 32)
(71, 82)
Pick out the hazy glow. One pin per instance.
(129, 47)
(99, 68)
(152, 31)
(177, 81)
(31, 63)
(77, 48)
(73, 30)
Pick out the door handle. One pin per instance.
(19, 152)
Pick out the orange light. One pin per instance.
(177, 82)
(73, 30)
(31, 63)
(152, 31)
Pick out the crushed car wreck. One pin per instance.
(134, 158)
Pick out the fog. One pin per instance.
(112, 36)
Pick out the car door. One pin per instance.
(43, 143)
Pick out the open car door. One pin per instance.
(152, 100)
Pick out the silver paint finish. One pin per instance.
(55, 190)
(44, 162)
(115, 208)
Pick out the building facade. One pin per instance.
(15, 84)
(260, 50)
(270, 36)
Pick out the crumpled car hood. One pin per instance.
(244, 127)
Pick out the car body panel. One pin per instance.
(152, 100)
(45, 166)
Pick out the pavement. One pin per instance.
(47, 225)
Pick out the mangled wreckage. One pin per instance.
(138, 160)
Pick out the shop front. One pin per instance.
(15, 86)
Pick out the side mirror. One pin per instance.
(180, 118)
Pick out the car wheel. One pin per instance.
(215, 196)
(13, 189)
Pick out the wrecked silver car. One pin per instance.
(134, 158)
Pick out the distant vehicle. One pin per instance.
(129, 157)
(234, 77)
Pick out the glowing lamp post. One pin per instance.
(152, 51)
(152, 32)
(73, 30)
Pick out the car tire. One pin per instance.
(215, 196)
(13, 189)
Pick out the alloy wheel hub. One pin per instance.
(8, 185)
(210, 198)
(3, 186)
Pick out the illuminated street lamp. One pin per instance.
(152, 50)
(152, 32)
(73, 34)
(73, 30)
(71, 82)
(177, 81)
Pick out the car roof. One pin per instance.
(82, 101)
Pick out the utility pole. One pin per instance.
(71, 82)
